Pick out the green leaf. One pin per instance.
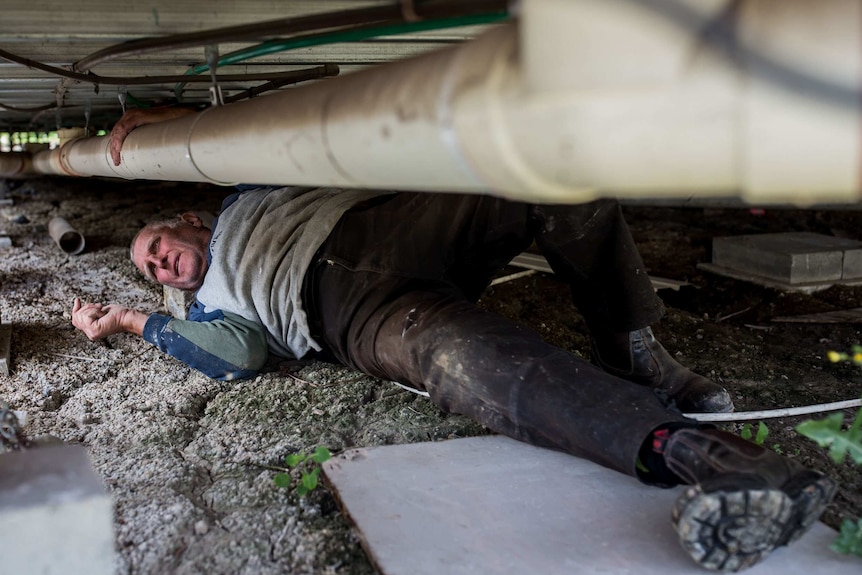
(294, 459)
(309, 480)
(849, 541)
(301, 490)
(745, 432)
(321, 454)
(762, 433)
(827, 432)
(281, 480)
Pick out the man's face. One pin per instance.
(174, 257)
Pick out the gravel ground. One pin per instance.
(189, 460)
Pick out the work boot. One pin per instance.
(638, 357)
(743, 500)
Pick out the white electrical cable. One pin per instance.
(514, 276)
(737, 416)
(769, 413)
(412, 389)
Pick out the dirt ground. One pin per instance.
(188, 460)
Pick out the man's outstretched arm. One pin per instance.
(222, 346)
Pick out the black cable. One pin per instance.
(8, 108)
(141, 80)
(312, 74)
(273, 28)
(276, 80)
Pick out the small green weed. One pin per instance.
(760, 437)
(309, 467)
(827, 432)
(849, 541)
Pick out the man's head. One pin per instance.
(173, 253)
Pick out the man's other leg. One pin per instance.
(590, 247)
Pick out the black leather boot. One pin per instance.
(638, 357)
(743, 501)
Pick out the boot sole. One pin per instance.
(731, 530)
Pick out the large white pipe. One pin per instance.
(586, 97)
(15, 164)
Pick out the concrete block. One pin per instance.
(178, 301)
(791, 258)
(55, 517)
(852, 264)
(5, 348)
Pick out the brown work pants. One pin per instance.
(393, 294)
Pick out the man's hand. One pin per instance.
(137, 117)
(98, 321)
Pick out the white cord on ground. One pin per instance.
(412, 389)
(514, 276)
(768, 413)
(737, 416)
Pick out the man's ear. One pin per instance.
(192, 219)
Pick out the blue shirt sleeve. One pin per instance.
(219, 344)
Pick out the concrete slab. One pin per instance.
(807, 287)
(492, 505)
(55, 517)
(790, 258)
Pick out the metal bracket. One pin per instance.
(88, 107)
(121, 96)
(216, 96)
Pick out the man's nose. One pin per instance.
(160, 261)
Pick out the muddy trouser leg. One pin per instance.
(590, 247)
(395, 302)
(479, 364)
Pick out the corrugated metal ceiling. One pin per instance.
(62, 33)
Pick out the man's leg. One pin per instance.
(476, 363)
(590, 247)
